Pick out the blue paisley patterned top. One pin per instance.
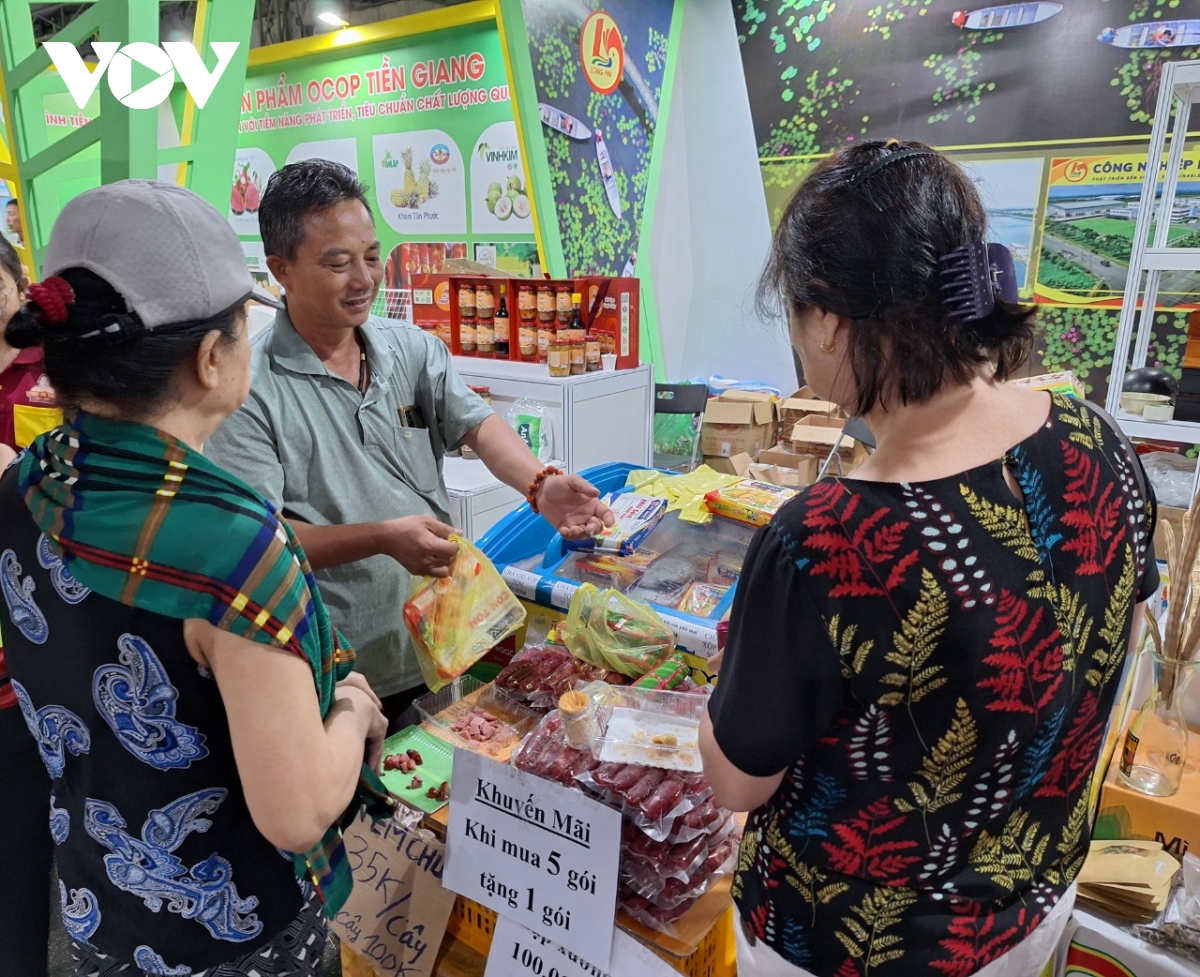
(160, 863)
(942, 663)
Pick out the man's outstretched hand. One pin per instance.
(572, 506)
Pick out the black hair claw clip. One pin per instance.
(974, 277)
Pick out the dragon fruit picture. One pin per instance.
(246, 194)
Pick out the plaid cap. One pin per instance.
(166, 250)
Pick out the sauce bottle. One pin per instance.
(501, 328)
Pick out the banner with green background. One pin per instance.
(427, 122)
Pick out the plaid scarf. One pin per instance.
(134, 511)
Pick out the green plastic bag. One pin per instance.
(674, 434)
(609, 630)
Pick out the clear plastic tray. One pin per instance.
(654, 727)
(466, 694)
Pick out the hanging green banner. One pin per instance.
(598, 79)
(426, 122)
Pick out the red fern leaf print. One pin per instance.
(865, 556)
(1072, 765)
(823, 499)
(849, 968)
(972, 944)
(861, 851)
(758, 921)
(1029, 664)
(1095, 515)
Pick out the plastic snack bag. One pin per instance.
(455, 621)
(528, 418)
(635, 518)
(606, 629)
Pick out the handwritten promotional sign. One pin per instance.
(396, 915)
(536, 852)
(518, 952)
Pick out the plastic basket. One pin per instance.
(715, 957)
(473, 924)
(393, 303)
(354, 965)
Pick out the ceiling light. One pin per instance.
(332, 19)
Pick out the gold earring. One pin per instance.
(830, 348)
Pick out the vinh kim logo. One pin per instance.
(117, 60)
(602, 52)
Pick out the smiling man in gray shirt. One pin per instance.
(348, 418)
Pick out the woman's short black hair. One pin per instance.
(134, 370)
(866, 246)
(10, 261)
(299, 190)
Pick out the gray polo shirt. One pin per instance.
(326, 455)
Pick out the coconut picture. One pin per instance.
(503, 209)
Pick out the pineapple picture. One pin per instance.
(410, 180)
(397, 197)
(423, 193)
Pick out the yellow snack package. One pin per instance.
(754, 503)
(458, 619)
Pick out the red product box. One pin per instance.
(613, 306)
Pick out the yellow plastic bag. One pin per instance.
(609, 630)
(458, 619)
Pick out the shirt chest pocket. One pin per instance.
(410, 450)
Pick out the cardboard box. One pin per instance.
(737, 423)
(803, 403)
(800, 477)
(1173, 821)
(739, 464)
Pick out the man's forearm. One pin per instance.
(505, 454)
(335, 546)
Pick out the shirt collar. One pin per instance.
(27, 357)
(290, 351)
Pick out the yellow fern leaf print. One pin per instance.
(914, 644)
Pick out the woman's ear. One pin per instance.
(22, 285)
(208, 360)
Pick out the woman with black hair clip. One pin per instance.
(167, 646)
(936, 640)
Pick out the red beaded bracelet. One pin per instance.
(537, 484)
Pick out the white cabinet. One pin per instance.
(478, 500)
(594, 419)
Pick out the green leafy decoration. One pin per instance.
(915, 643)
(944, 767)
